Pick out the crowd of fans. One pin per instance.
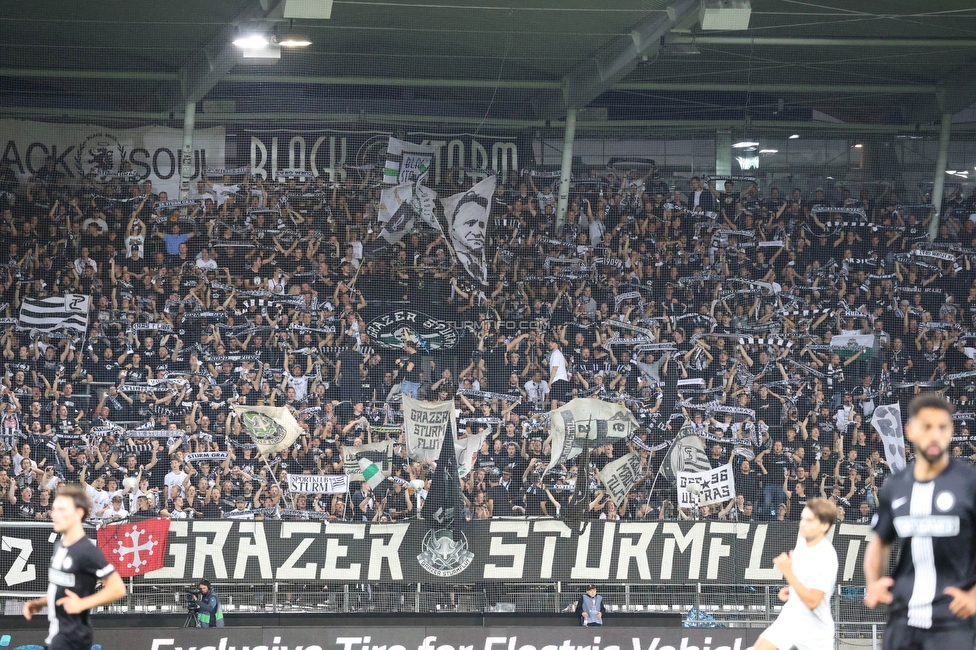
(672, 301)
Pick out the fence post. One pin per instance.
(874, 636)
(627, 598)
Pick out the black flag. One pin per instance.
(444, 502)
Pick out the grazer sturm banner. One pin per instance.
(152, 152)
(505, 550)
(706, 488)
(542, 636)
(426, 425)
(340, 156)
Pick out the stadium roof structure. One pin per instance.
(627, 64)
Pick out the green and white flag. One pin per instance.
(406, 162)
(272, 428)
(372, 473)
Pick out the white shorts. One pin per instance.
(784, 636)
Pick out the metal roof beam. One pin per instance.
(767, 126)
(788, 41)
(513, 84)
(597, 74)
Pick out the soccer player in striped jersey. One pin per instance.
(930, 508)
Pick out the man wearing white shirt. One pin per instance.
(176, 477)
(558, 374)
(100, 497)
(536, 389)
(845, 414)
(805, 622)
(205, 262)
(202, 192)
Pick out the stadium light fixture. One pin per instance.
(795, 136)
(745, 144)
(252, 41)
(768, 151)
(294, 40)
(858, 146)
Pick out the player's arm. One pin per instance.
(112, 589)
(809, 597)
(34, 606)
(878, 553)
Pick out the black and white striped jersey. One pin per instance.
(935, 523)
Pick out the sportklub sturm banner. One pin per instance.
(501, 550)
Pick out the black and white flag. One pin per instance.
(887, 422)
(380, 453)
(406, 162)
(687, 453)
(467, 219)
(706, 488)
(318, 484)
(49, 314)
(620, 476)
(590, 419)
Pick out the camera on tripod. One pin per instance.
(192, 597)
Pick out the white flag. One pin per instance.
(687, 453)
(425, 426)
(318, 484)
(586, 417)
(49, 314)
(621, 475)
(467, 218)
(467, 452)
(706, 488)
(406, 162)
(887, 422)
(272, 428)
(380, 453)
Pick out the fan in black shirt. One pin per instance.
(930, 508)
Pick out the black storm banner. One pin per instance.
(497, 550)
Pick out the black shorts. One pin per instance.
(898, 635)
(559, 390)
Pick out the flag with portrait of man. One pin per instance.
(467, 221)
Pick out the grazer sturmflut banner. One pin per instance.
(372, 637)
(152, 152)
(501, 550)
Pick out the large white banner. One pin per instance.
(887, 422)
(425, 427)
(152, 152)
(318, 484)
(590, 418)
(467, 218)
(706, 488)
